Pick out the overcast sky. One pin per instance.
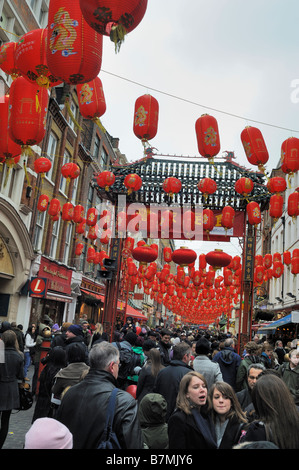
(221, 57)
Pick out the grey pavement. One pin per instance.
(19, 424)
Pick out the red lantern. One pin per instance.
(27, 122)
(254, 213)
(78, 215)
(90, 254)
(54, 207)
(91, 216)
(166, 220)
(8, 148)
(184, 256)
(290, 156)
(259, 274)
(105, 179)
(255, 147)
(42, 165)
(30, 58)
(268, 260)
(278, 269)
(81, 227)
(207, 186)
(144, 254)
(79, 249)
(295, 265)
(74, 49)
(218, 259)
(258, 260)
(70, 170)
(227, 217)
(228, 277)
(207, 133)
(293, 205)
(244, 186)
(276, 185)
(132, 182)
(91, 99)
(172, 185)
(146, 115)
(113, 18)
(167, 254)
(93, 232)
(208, 220)
(67, 211)
(7, 60)
(43, 202)
(276, 206)
(287, 257)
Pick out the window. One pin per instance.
(39, 229)
(74, 192)
(67, 242)
(97, 145)
(51, 152)
(63, 181)
(54, 240)
(74, 110)
(104, 158)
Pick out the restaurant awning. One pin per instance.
(93, 294)
(275, 324)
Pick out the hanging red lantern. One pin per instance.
(144, 254)
(268, 260)
(258, 260)
(43, 202)
(287, 257)
(184, 256)
(293, 205)
(227, 217)
(67, 212)
(105, 179)
(74, 49)
(92, 233)
(172, 185)
(166, 220)
(129, 243)
(290, 156)
(42, 165)
(218, 259)
(90, 254)
(227, 277)
(78, 215)
(81, 227)
(27, 121)
(259, 274)
(244, 186)
(276, 206)
(30, 58)
(208, 220)
(7, 60)
(255, 147)
(113, 18)
(91, 99)
(91, 216)
(277, 184)
(207, 133)
(207, 186)
(8, 148)
(295, 265)
(167, 254)
(79, 249)
(146, 116)
(70, 170)
(254, 213)
(132, 182)
(278, 269)
(54, 207)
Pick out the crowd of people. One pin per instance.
(176, 389)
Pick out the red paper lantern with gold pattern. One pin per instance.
(255, 147)
(227, 217)
(276, 206)
(244, 186)
(268, 260)
(290, 156)
(184, 256)
(90, 254)
(167, 254)
(207, 133)
(105, 179)
(42, 165)
(67, 212)
(54, 207)
(92, 103)
(218, 259)
(79, 249)
(277, 184)
(113, 18)
(7, 60)
(278, 269)
(208, 220)
(43, 202)
(91, 216)
(144, 254)
(93, 232)
(287, 257)
(81, 227)
(78, 215)
(207, 186)
(132, 182)
(74, 49)
(31, 60)
(8, 148)
(295, 265)
(172, 185)
(27, 120)
(254, 213)
(70, 170)
(146, 116)
(293, 205)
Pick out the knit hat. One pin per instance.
(76, 330)
(203, 346)
(55, 327)
(48, 433)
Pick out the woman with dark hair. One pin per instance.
(278, 416)
(55, 360)
(11, 371)
(28, 348)
(190, 426)
(227, 415)
(148, 374)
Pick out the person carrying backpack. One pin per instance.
(128, 359)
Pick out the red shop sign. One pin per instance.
(59, 277)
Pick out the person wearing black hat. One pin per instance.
(202, 364)
(74, 334)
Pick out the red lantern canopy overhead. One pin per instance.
(184, 256)
(92, 103)
(255, 147)
(146, 115)
(31, 60)
(207, 133)
(7, 60)
(132, 182)
(105, 179)
(290, 156)
(218, 259)
(207, 186)
(74, 49)
(113, 18)
(172, 185)
(277, 184)
(27, 122)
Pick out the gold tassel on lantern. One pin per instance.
(97, 121)
(73, 119)
(117, 35)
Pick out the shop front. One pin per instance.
(90, 303)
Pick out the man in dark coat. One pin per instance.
(74, 334)
(229, 362)
(84, 406)
(168, 379)
(164, 346)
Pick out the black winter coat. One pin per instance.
(11, 371)
(83, 412)
(168, 382)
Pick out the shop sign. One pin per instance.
(59, 278)
(38, 287)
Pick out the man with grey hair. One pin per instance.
(84, 406)
(229, 362)
(253, 373)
